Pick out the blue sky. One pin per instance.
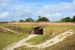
(44, 1)
(21, 9)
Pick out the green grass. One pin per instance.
(19, 27)
(7, 37)
(38, 39)
(49, 32)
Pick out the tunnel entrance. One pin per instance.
(37, 30)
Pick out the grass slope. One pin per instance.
(49, 32)
(7, 37)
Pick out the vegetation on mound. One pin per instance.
(49, 32)
(65, 45)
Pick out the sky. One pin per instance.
(21, 9)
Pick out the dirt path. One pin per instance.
(19, 43)
(10, 30)
(54, 40)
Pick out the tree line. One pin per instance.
(68, 19)
(40, 18)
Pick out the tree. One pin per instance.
(21, 20)
(29, 20)
(73, 19)
(62, 20)
(67, 19)
(43, 19)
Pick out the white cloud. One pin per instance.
(4, 14)
(5, 3)
(58, 10)
(52, 11)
